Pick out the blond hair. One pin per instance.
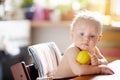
(88, 15)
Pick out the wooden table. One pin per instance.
(115, 66)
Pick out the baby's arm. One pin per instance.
(98, 58)
(78, 69)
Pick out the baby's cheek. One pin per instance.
(93, 44)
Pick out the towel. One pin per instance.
(46, 57)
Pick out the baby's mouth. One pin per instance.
(85, 44)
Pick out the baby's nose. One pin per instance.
(87, 38)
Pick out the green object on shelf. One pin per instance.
(26, 3)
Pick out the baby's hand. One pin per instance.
(105, 70)
(94, 60)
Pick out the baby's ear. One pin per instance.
(100, 37)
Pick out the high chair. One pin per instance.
(46, 58)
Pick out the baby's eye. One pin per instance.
(92, 36)
(81, 34)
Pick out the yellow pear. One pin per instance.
(83, 57)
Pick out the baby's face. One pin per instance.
(85, 34)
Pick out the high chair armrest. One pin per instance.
(21, 71)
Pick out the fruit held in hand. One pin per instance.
(83, 57)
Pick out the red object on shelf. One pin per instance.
(47, 14)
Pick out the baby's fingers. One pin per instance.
(106, 70)
(94, 60)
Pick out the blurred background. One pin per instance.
(28, 22)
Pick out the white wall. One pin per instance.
(60, 35)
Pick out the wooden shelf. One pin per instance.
(51, 24)
(111, 28)
(65, 24)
